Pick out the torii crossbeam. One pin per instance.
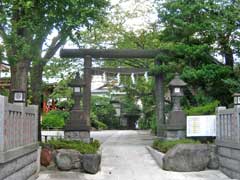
(112, 53)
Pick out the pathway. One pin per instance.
(125, 157)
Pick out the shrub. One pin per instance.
(103, 111)
(96, 123)
(54, 119)
(206, 109)
(164, 146)
(82, 147)
(154, 124)
(99, 125)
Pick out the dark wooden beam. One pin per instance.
(159, 94)
(111, 53)
(122, 71)
(87, 88)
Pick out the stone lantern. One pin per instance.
(77, 128)
(176, 123)
(236, 97)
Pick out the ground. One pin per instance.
(125, 157)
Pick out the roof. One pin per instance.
(4, 68)
(177, 81)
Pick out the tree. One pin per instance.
(201, 28)
(25, 27)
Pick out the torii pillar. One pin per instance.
(87, 89)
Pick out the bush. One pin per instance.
(82, 147)
(99, 125)
(154, 124)
(103, 111)
(143, 124)
(55, 119)
(206, 109)
(96, 123)
(164, 146)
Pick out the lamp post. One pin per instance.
(76, 128)
(176, 124)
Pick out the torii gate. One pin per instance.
(88, 54)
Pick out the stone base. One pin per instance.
(77, 135)
(175, 134)
(176, 119)
(229, 158)
(22, 168)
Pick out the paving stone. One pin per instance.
(124, 156)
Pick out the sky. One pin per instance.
(146, 13)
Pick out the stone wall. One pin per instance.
(228, 141)
(18, 141)
(229, 159)
(21, 168)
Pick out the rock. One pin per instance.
(187, 158)
(67, 159)
(63, 162)
(214, 161)
(46, 157)
(91, 163)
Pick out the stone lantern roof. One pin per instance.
(77, 82)
(177, 82)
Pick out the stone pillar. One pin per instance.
(159, 94)
(236, 124)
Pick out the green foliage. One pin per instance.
(210, 79)
(201, 27)
(164, 146)
(103, 111)
(33, 31)
(129, 106)
(55, 119)
(143, 124)
(62, 90)
(4, 92)
(97, 124)
(84, 148)
(206, 109)
(154, 124)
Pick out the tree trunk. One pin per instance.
(228, 53)
(36, 87)
(37, 73)
(19, 77)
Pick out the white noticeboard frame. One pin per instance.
(201, 126)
